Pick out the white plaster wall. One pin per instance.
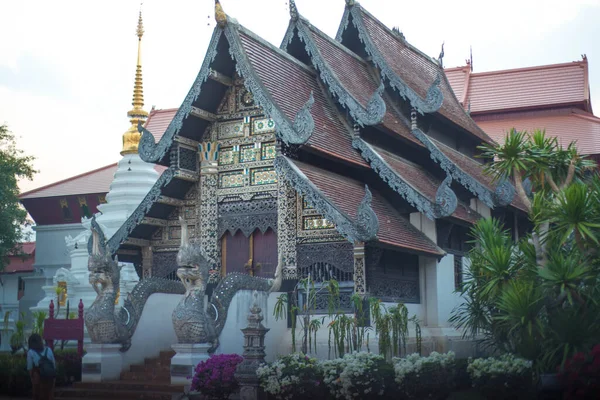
(481, 208)
(154, 332)
(447, 299)
(50, 247)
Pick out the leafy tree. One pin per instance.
(14, 165)
(539, 297)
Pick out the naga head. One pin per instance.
(104, 271)
(191, 259)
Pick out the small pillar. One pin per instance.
(254, 354)
(360, 270)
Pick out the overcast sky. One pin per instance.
(67, 67)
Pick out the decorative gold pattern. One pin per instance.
(248, 153)
(262, 125)
(230, 129)
(268, 151)
(231, 179)
(263, 176)
(228, 156)
(62, 297)
(131, 138)
(316, 222)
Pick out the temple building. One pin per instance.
(350, 157)
(363, 172)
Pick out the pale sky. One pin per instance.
(67, 66)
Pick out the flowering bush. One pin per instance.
(581, 375)
(425, 377)
(500, 378)
(295, 376)
(215, 378)
(358, 375)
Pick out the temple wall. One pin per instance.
(154, 332)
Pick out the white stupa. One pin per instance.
(132, 181)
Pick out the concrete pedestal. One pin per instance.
(103, 362)
(184, 362)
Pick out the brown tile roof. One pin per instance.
(99, 180)
(346, 194)
(424, 182)
(523, 88)
(354, 75)
(572, 126)
(279, 73)
(418, 71)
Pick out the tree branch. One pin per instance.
(521, 190)
(570, 174)
(550, 180)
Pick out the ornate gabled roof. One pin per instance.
(302, 116)
(415, 76)
(269, 73)
(348, 78)
(346, 202)
(431, 196)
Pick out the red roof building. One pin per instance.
(551, 97)
(22, 261)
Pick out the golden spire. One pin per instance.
(131, 138)
(220, 15)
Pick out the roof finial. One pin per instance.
(471, 59)
(131, 138)
(293, 11)
(441, 57)
(220, 15)
(349, 3)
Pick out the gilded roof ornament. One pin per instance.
(293, 11)
(220, 15)
(137, 115)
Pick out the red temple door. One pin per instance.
(255, 255)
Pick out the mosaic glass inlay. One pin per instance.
(174, 232)
(316, 222)
(231, 179)
(231, 129)
(263, 125)
(306, 205)
(228, 156)
(189, 212)
(263, 176)
(247, 153)
(268, 151)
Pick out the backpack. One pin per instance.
(46, 366)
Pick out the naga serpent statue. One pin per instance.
(193, 322)
(105, 322)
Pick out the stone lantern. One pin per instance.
(254, 354)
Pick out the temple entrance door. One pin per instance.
(254, 255)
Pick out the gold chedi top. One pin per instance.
(131, 138)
